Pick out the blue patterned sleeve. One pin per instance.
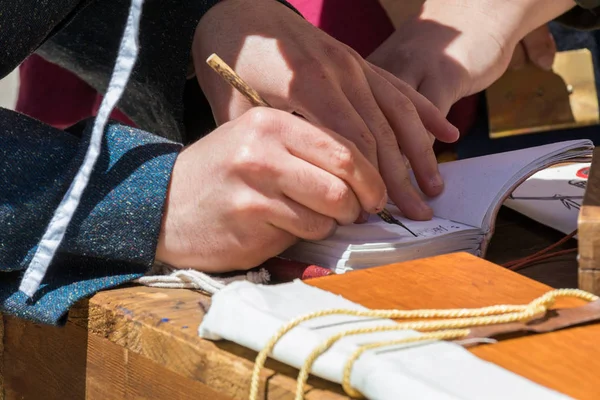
(113, 235)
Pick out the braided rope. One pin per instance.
(458, 319)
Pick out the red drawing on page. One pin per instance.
(583, 173)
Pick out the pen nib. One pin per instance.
(389, 218)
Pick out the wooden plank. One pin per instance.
(589, 231)
(565, 361)
(66, 363)
(531, 100)
(128, 337)
(1, 357)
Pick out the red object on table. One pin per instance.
(282, 270)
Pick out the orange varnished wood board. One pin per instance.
(566, 360)
(142, 343)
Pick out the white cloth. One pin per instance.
(250, 314)
(55, 232)
(167, 277)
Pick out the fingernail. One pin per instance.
(545, 62)
(437, 181)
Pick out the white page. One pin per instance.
(474, 186)
(553, 196)
(250, 314)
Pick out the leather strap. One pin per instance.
(553, 320)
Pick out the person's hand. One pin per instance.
(252, 187)
(453, 48)
(298, 68)
(538, 48)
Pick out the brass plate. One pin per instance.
(532, 100)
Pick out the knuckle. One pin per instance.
(247, 159)
(403, 103)
(406, 183)
(369, 141)
(332, 50)
(344, 157)
(427, 152)
(260, 119)
(385, 134)
(338, 193)
(247, 203)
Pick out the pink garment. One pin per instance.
(361, 24)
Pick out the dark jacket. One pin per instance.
(113, 234)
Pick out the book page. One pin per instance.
(476, 185)
(553, 196)
(376, 231)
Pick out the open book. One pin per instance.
(465, 212)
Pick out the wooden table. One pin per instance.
(140, 342)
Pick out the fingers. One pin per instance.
(335, 112)
(540, 47)
(519, 58)
(338, 156)
(432, 117)
(300, 221)
(406, 125)
(319, 191)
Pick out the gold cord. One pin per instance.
(449, 328)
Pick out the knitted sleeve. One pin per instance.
(113, 234)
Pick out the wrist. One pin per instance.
(509, 21)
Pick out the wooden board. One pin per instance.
(589, 231)
(530, 100)
(142, 343)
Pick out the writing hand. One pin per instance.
(251, 188)
(298, 68)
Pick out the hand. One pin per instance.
(454, 48)
(298, 68)
(538, 47)
(248, 190)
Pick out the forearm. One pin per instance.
(510, 20)
(114, 232)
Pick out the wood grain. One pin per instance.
(131, 340)
(54, 363)
(565, 361)
(589, 231)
